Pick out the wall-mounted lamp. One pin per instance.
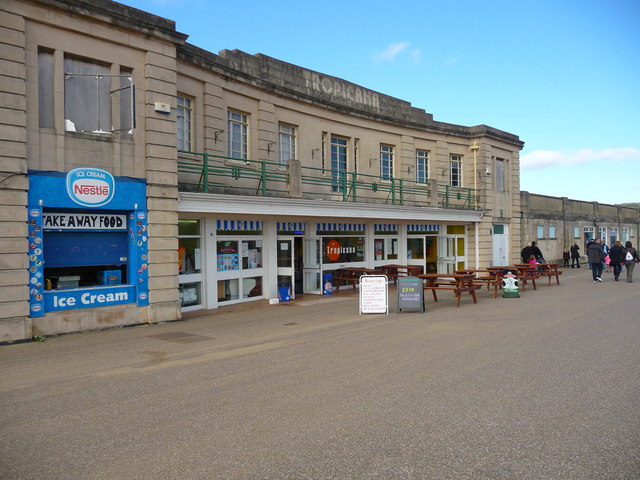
(269, 145)
(313, 152)
(216, 134)
(409, 169)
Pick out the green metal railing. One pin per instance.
(217, 174)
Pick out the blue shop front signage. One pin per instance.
(81, 219)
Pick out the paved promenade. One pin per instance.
(546, 386)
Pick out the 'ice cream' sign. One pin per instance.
(90, 187)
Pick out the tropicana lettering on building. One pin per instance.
(340, 90)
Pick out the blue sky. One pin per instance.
(563, 75)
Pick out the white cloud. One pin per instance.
(391, 52)
(546, 158)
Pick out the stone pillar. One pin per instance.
(162, 186)
(14, 276)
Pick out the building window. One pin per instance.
(45, 89)
(576, 232)
(422, 166)
(287, 135)
(625, 235)
(552, 231)
(238, 128)
(386, 162)
(455, 170)
(499, 175)
(339, 151)
(540, 231)
(603, 234)
(613, 235)
(88, 95)
(184, 121)
(190, 262)
(589, 233)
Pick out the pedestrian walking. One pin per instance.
(616, 259)
(595, 256)
(566, 255)
(575, 255)
(630, 260)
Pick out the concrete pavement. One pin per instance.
(542, 386)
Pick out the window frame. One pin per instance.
(339, 157)
(237, 124)
(500, 177)
(422, 166)
(184, 112)
(387, 153)
(283, 136)
(455, 170)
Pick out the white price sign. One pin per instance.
(374, 296)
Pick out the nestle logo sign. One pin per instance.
(90, 187)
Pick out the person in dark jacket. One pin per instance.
(526, 253)
(537, 253)
(616, 259)
(595, 255)
(630, 264)
(575, 255)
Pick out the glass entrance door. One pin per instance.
(311, 266)
(286, 271)
(451, 253)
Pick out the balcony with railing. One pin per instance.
(203, 172)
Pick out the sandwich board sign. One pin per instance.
(374, 296)
(410, 294)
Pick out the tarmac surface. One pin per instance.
(545, 386)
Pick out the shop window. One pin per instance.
(227, 254)
(386, 248)
(455, 229)
(415, 248)
(190, 294)
(251, 254)
(189, 250)
(228, 290)
(342, 249)
(251, 287)
(74, 259)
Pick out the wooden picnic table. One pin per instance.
(488, 277)
(395, 271)
(351, 275)
(550, 270)
(458, 283)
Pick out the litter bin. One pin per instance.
(284, 294)
(510, 286)
(327, 283)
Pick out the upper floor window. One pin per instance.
(422, 166)
(540, 233)
(339, 155)
(552, 231)
(455, 170)
(184, 121)
(90, 93)
(386, 162)
(238, 128)
(287, 136)
(499, 175)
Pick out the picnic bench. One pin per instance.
(455, 282)
(395, 271)
(351, 275)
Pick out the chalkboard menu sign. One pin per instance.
(410, 294)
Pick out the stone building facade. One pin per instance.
(142, 177)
